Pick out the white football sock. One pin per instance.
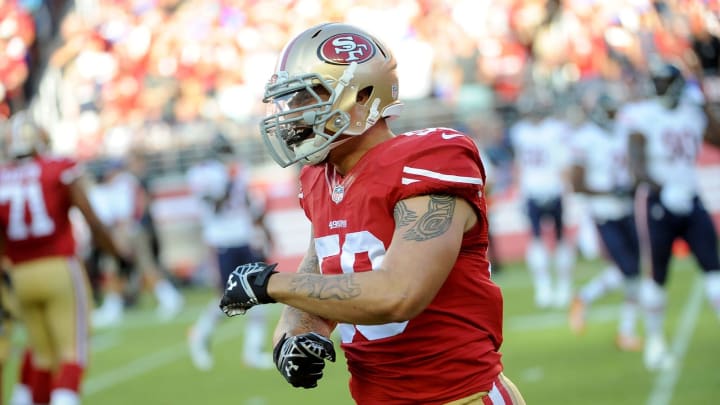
(21, 395)
(62, 396)
(538, 262)
(564, 261)
(608, 280)
(712, 290)
(653, 299)
(208, 319)
(564, 264)
(165, 291)
(629, 310)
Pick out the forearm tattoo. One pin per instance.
(433, 223)
(297, 321)
(309, 265)
(340, 288)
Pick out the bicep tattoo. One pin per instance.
(403, 216)
(433, 223)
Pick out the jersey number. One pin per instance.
(681, 145)
(19, 197)
(357, 242)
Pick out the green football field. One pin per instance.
(146, 362)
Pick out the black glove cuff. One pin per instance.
(277, 349)
(261, 282)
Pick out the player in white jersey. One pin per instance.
(541, 160)
(666, 133)
(116, 199)
(600, 172)
(232, 220)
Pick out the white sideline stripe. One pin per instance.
(147, 363)
(665, 382)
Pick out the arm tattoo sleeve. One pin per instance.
(433, 223)
(311, 284)
(297, 321)
(323, 288)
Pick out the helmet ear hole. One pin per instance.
(364, 95)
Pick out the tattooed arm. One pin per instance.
(294, 321)
(423, 250)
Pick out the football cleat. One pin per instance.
(563, 294)
(656, 355)
(543, 294)
(260, 361)
(109, 314)
(169, 307)
(578, 312)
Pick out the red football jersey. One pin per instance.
(34, 205)
(450, 350)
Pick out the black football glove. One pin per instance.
(247, 287)
(301, 359)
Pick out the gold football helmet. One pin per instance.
(23, 136)
(313, 94)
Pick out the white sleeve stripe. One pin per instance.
(440, 176)
(407, 181)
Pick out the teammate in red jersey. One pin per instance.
(398, 253)
(36, 194)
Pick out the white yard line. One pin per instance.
(559, 317)
(140, 366)
(665, 382)
(146, 364)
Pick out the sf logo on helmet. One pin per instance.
(342, 49)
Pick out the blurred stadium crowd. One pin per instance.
(106, 77)
(142, 91)
(113, 81)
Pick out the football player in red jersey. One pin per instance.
(397, 260)
(36, 194)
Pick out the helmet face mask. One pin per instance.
(301, 120)
(669, 83)
(332, 80)
(604, 109)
